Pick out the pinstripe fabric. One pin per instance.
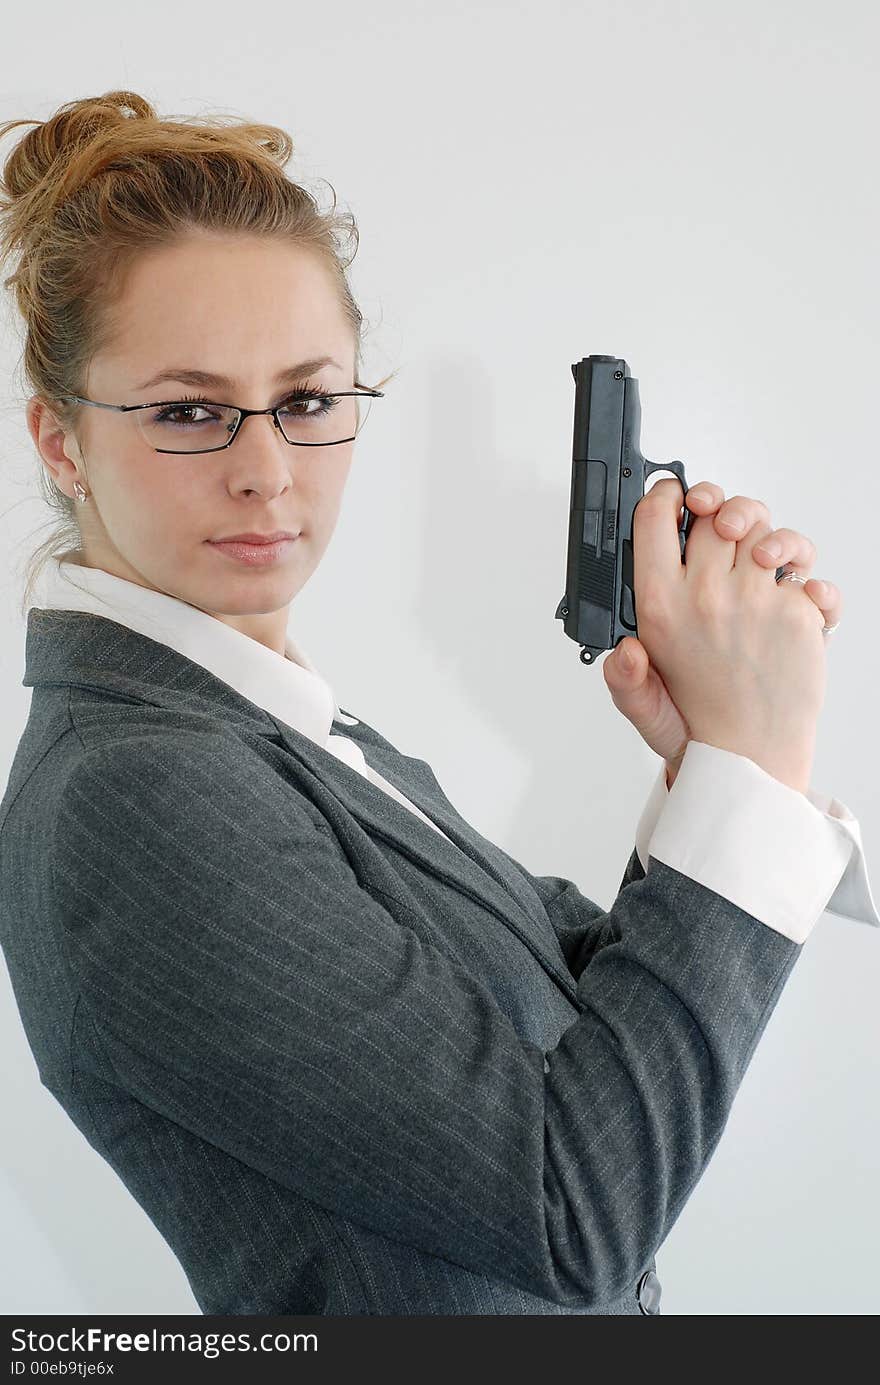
(344, 1064)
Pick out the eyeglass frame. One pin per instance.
(243, 413)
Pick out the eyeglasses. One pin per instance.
(336, 418)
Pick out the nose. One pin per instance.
(261, 459)
(249, 414)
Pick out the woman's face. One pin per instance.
(246, 309)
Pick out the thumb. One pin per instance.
(628, 663)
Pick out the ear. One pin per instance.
(52, 443)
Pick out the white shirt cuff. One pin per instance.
(782, 856)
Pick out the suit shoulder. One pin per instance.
(167, 772)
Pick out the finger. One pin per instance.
(656, 547)
(704, 498)
(827, 597)
(794, 549)
(707, 550)
(737, 515)
(616, 664)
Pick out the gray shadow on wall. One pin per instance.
(492, 574)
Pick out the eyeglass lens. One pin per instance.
(190, 426)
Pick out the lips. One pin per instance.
(254, 554)
(256, 538)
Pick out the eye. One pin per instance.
(181, 414)
(296, 405)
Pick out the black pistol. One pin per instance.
(608, 474)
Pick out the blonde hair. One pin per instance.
(104, 179)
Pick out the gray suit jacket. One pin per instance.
(345, 1066)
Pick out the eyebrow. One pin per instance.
(203, 377)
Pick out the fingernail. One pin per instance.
(699, 494)
(627, 663)
(772, 549)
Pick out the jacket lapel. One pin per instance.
(469, 863)
(81, 649)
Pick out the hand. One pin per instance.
(640, 693)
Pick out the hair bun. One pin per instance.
(55, 145)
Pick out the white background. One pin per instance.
(692, 187)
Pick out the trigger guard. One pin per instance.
(677, 469)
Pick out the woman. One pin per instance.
(348, 1055)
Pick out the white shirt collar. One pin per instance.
(290, 688)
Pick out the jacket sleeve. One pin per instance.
(581, 926)
(244, 985)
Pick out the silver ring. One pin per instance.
(796, 577)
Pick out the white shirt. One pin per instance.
(784, 857)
